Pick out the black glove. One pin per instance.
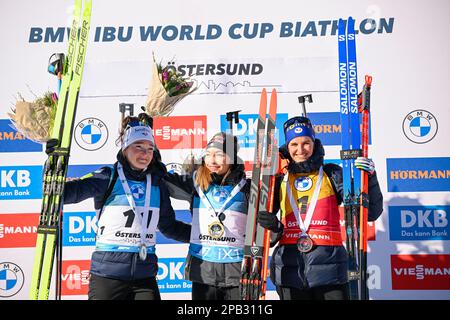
(269, 221)
(50, 145)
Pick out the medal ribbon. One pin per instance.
(144, 218)
(304, 225)
(208, 204)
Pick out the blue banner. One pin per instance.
(417, 223)
(418, 174)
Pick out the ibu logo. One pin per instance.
(91, 134)
(79, 228)
(419, 223)
(18, 183)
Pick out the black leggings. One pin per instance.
(332, 292)
(101, 288)
(202, 291)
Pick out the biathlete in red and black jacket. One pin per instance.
(131, 200)
(310, 261)
(218, 195)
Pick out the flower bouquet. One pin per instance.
(35, 119)
(166, 89)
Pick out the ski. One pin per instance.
(255, 261)
(347, 67)
(251, 251)
(267, 189)
(355, 182)
(55, 167)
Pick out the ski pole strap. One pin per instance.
(351, 154)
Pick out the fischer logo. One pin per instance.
(420, 272)
(18, 230)
(75, 277)
(180, 132)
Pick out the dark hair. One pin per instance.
(141, 119)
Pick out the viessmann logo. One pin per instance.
(180, 132)
(420, 272)
(18, 230)
(75, 277)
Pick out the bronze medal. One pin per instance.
(304, 243)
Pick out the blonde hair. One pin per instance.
(203, 177)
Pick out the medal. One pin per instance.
(143, 251)
(304, 243)
(216, 229)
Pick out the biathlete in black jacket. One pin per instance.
(131, 201)
(218, 196)
(310, 261)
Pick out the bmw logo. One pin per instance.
(91, 134)
(137, 191)
(174, 168)
(303, 183)
(11, 279)
(420, 126)
(220, 194)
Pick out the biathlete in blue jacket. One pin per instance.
(218, 195)
(131, 201)
(310, 261)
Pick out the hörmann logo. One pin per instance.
(418, 174)
(417, 223)
(420, 272)
(13, 141)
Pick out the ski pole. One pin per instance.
(364, 108)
